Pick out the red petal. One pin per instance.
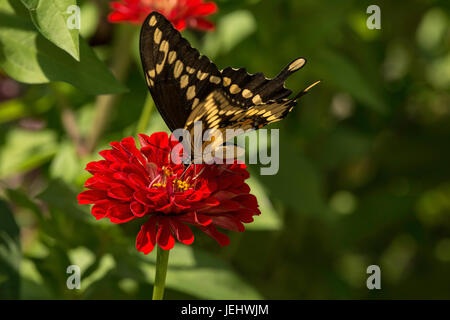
(203, 9)
(129, 145)
(201, 24)
(97, 166)
(228, 222)
(91, 196)
(180, 25)
(183, 232)
(202, 219)
(120, 192)
(99, 209)
(247, 201)
(146, 239)
(221, 238)
(96, 182)
(138, 209)
(164, 236)
(120, 213)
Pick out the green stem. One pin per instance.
(145, 115)
(162, 259)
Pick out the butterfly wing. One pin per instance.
(177, 75)
(246, 101)
(188, 87)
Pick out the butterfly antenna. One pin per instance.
(305, 91)
(198, 175)
(187, 167)
(154, 145)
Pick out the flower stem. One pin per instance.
(145, 115)
(162, 259)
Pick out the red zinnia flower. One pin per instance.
(136, 183)
(182, 13)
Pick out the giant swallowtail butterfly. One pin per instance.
(187, 87)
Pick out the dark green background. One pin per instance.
(364, 175)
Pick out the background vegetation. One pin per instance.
(364, 175)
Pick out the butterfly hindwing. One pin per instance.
(220, 111)
(177, 76)
(254, 89)
(247, 101)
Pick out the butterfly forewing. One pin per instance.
(188, 88)
(177, 76)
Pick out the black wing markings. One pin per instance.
(188, 87)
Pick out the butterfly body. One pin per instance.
(188, 88)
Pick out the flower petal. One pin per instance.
(138, 209)
(164, 237)
(100, 209)
(120, 192)
(183, 232)
(146, 239)
(120, 213)
(91, 196)
(221, 238)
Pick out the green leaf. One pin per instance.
(91, 16)
(60, 196)
(202, 275)
(27, 56)
(65, 164)
(346, 76)
(19, 198)
(298, 182)
(231, 29)
(269, 219)
(10, 254)
(24, 150)
(343, 145)
(52, 18)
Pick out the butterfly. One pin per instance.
(188, 88)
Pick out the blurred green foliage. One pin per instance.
(364, 159)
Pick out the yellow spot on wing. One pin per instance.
(212, 112)
(178, 69)
(157, 36)
(271, 118)
(164, 47)
(234, 89)
(257, 99)
(247, 93)
(184, 80)
(190, 70)
(297, 64)
(202, 75)
(268, 113)
(195, 103)
(251, 112)
(190, 93)
(226, 81)
(152, 21)
(172, 57)
(152, 73)
(214, 79)
(213, 124)
(150, 82)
